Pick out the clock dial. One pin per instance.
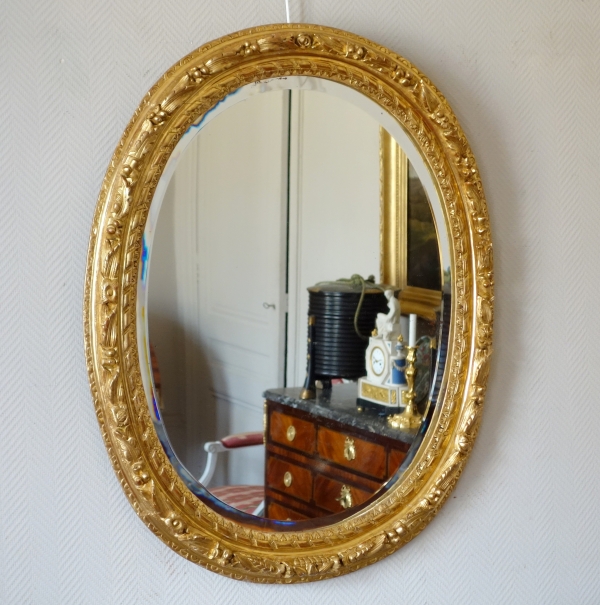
(377, 361)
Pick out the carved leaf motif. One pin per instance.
(262, 565)
(123, 197)
(198, 543)
(308, 566)
(484, 327)
(484, 262)
(120, 416)
(329, 44)
(481, 373)
(129, 447)
(417, 516)
(427, 98)
(114, 388)
(111, 261)
(455, 143)
(109, 329)
(475, 197)
(218, 64)
(275, 43)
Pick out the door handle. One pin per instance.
(268, 306)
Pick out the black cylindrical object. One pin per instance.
(339, 352)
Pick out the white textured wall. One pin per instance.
(524, 79)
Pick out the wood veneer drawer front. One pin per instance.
(289, 478)
(283, 513)
(293, 432)
(395, 458)
(351, 452)
(329, 494)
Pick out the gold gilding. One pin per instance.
(189, 89)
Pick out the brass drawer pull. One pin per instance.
(291, 432)
(345, 498)
(287, 479)
(349, 449)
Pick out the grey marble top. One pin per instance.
(338, 404)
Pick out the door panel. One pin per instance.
(226, 209)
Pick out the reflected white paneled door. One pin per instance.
(334, 205)
(236, 183)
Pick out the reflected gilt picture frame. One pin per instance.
(396, 233)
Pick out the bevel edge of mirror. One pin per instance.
(153, 488)
(422, 302)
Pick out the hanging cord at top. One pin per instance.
(287, 10)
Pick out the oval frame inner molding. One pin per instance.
(187, 91)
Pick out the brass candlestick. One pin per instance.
(410, 419)
(308, 391)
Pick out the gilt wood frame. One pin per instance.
(158, 495)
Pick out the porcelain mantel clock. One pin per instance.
(385, 382)
(378, 387)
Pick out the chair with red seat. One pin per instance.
(247, 498)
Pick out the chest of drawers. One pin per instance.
(324, 456)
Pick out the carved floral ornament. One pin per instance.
(161, 499)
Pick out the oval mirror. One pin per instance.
(288, 321)
(288, 185)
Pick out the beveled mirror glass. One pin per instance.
(256, 173)
(261, 201)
